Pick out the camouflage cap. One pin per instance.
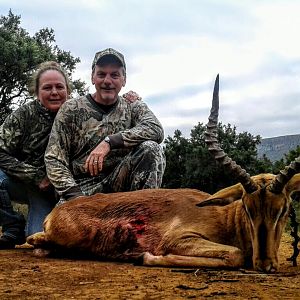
(109, 51)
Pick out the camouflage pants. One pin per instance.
(142, 168)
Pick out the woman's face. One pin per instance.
(52, 91)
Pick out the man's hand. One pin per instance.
(94, 162)
(132, 96)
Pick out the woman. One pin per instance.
(23, 139)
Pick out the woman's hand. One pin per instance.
(45, 184)
(132, 96)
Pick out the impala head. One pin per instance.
(266, 197)
(266, 215)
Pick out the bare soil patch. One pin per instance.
(23, 276)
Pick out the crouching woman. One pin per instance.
(24, 137)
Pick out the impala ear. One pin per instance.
(224, 197)
(293, 185)
(214, 202)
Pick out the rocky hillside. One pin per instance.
(275, 148)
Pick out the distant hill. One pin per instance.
(275, 148)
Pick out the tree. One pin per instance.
(20, 54)
(264, 165)
(292, 155)
(189, 164)
(176, 150)
(286, 160)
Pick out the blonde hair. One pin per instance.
(34, 81)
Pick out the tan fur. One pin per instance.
(166, 228)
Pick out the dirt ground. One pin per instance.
(23, 276)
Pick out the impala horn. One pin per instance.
(214, 147)
(284, 176)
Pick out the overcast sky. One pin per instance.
(175, 49)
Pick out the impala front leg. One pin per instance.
(200, 253)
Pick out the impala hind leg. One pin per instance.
(37, 239)
(42, 247)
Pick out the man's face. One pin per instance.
(52, 91)
(108, 81)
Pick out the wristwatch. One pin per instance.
(107, 140)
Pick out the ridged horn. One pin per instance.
(214, 148)
(284, 176)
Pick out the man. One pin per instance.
(100, 142)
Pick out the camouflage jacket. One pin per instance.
(81, 124)
(24, 137)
